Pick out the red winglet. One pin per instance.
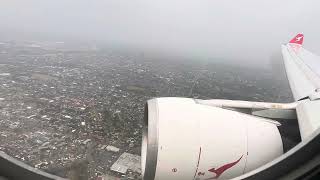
(298, 39)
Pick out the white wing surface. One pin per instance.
(302, 67)
(303, 72)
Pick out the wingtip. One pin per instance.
(298, 39)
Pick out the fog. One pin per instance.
(242, 31)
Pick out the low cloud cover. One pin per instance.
(243, 31)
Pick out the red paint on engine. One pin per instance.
(223, 168)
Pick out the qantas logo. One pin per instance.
(298, 39)
(220, 170)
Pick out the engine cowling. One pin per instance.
(186, 140)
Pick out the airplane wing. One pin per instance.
(302, 67)
(303, 72)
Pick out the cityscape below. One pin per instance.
(75, 111)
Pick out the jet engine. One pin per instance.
(183, 139)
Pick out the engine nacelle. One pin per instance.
(186, 140)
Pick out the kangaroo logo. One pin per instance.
(222, 169)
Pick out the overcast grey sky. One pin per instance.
(239, 29)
